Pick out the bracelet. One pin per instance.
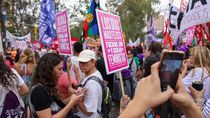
(199, 100)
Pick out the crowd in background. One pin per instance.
(43, 84)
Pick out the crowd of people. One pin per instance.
(42, 84)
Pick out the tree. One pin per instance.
(22, 14)
(76, 12)
(76, 30)
(134, 16)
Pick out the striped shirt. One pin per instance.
(206, 108)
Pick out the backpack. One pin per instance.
(106, 96)
(12, 107)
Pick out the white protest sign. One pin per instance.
(19, 42)
(175, 17)
(197, 12)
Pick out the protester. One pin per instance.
(11, 104)
(149, 87)
(13, 53)
(153, 48)
(67, 85)
(124, 102)
(77, 48)
(198, 98)
(25, 67)
(44, 97)
(91, 107)
(200, 58)
(26, 64)
(19, 51)
(22, 87)
(140, 56)
(9, 61)
(149, 61)
(37, 56)
(130, 54)
(100, 65)
(8, 51)
(152, 55)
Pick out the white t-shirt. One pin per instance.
(197, 76)
(76, 63)
(93, 97)
(20, 80)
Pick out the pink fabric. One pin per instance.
(63, 84)
(8, 64)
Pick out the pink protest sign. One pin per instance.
(112, 41)
(63, 34)
(189, 35)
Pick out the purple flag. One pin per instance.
(152, 29)
(151, 32)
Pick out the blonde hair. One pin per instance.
(201, 57)
(27, 56)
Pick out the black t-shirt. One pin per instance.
(40, 100)
(100, 65)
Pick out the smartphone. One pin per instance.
(171, 62)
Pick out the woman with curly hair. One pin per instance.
(44, 97)
(11, 104)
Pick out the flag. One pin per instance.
(165, 28)
(151, 32)
(137, 42)
(207, 30)
(199, 34)
(152, 28)
(130, 43)
(47, 20)
(167, 40)
(90, 24)
(189, 35)
(183, 5)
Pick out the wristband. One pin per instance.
(199, 100)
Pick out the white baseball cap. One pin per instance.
(86, 55)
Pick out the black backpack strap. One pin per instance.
(95, 79)
(102, 88)
(130, 64)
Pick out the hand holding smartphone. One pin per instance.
(171, 63)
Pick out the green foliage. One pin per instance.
(134, 16)
(160, 35)
(76, 31)
(21, 15)
(11, 29)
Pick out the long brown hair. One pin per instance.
(44, 72)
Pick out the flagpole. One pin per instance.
(121, 84)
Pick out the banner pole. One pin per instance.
(121, 84)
